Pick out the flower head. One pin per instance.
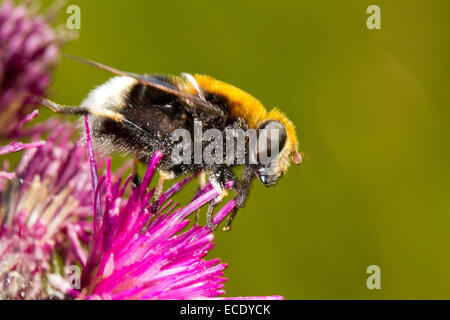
(28, 50)
(44, 203)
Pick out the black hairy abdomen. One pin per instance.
(153, 126)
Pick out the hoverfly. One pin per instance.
(137, 114)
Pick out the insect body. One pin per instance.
(138, 114)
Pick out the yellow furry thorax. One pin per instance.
(247, 107)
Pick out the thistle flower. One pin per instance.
(28, 51)
(48, 198)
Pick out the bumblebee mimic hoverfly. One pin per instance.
(137, 114)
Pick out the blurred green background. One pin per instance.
(371, 109)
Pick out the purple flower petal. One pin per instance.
(17, 146)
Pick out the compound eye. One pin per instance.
(271, 139)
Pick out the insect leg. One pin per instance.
(79, 110)
(163, 176)
(211, 207)
(219, 177)
(136, 179)
(58, 107)
(209, 222)
(201, 184)
(242, 191)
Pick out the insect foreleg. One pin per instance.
(242, 191)
(163, 176)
